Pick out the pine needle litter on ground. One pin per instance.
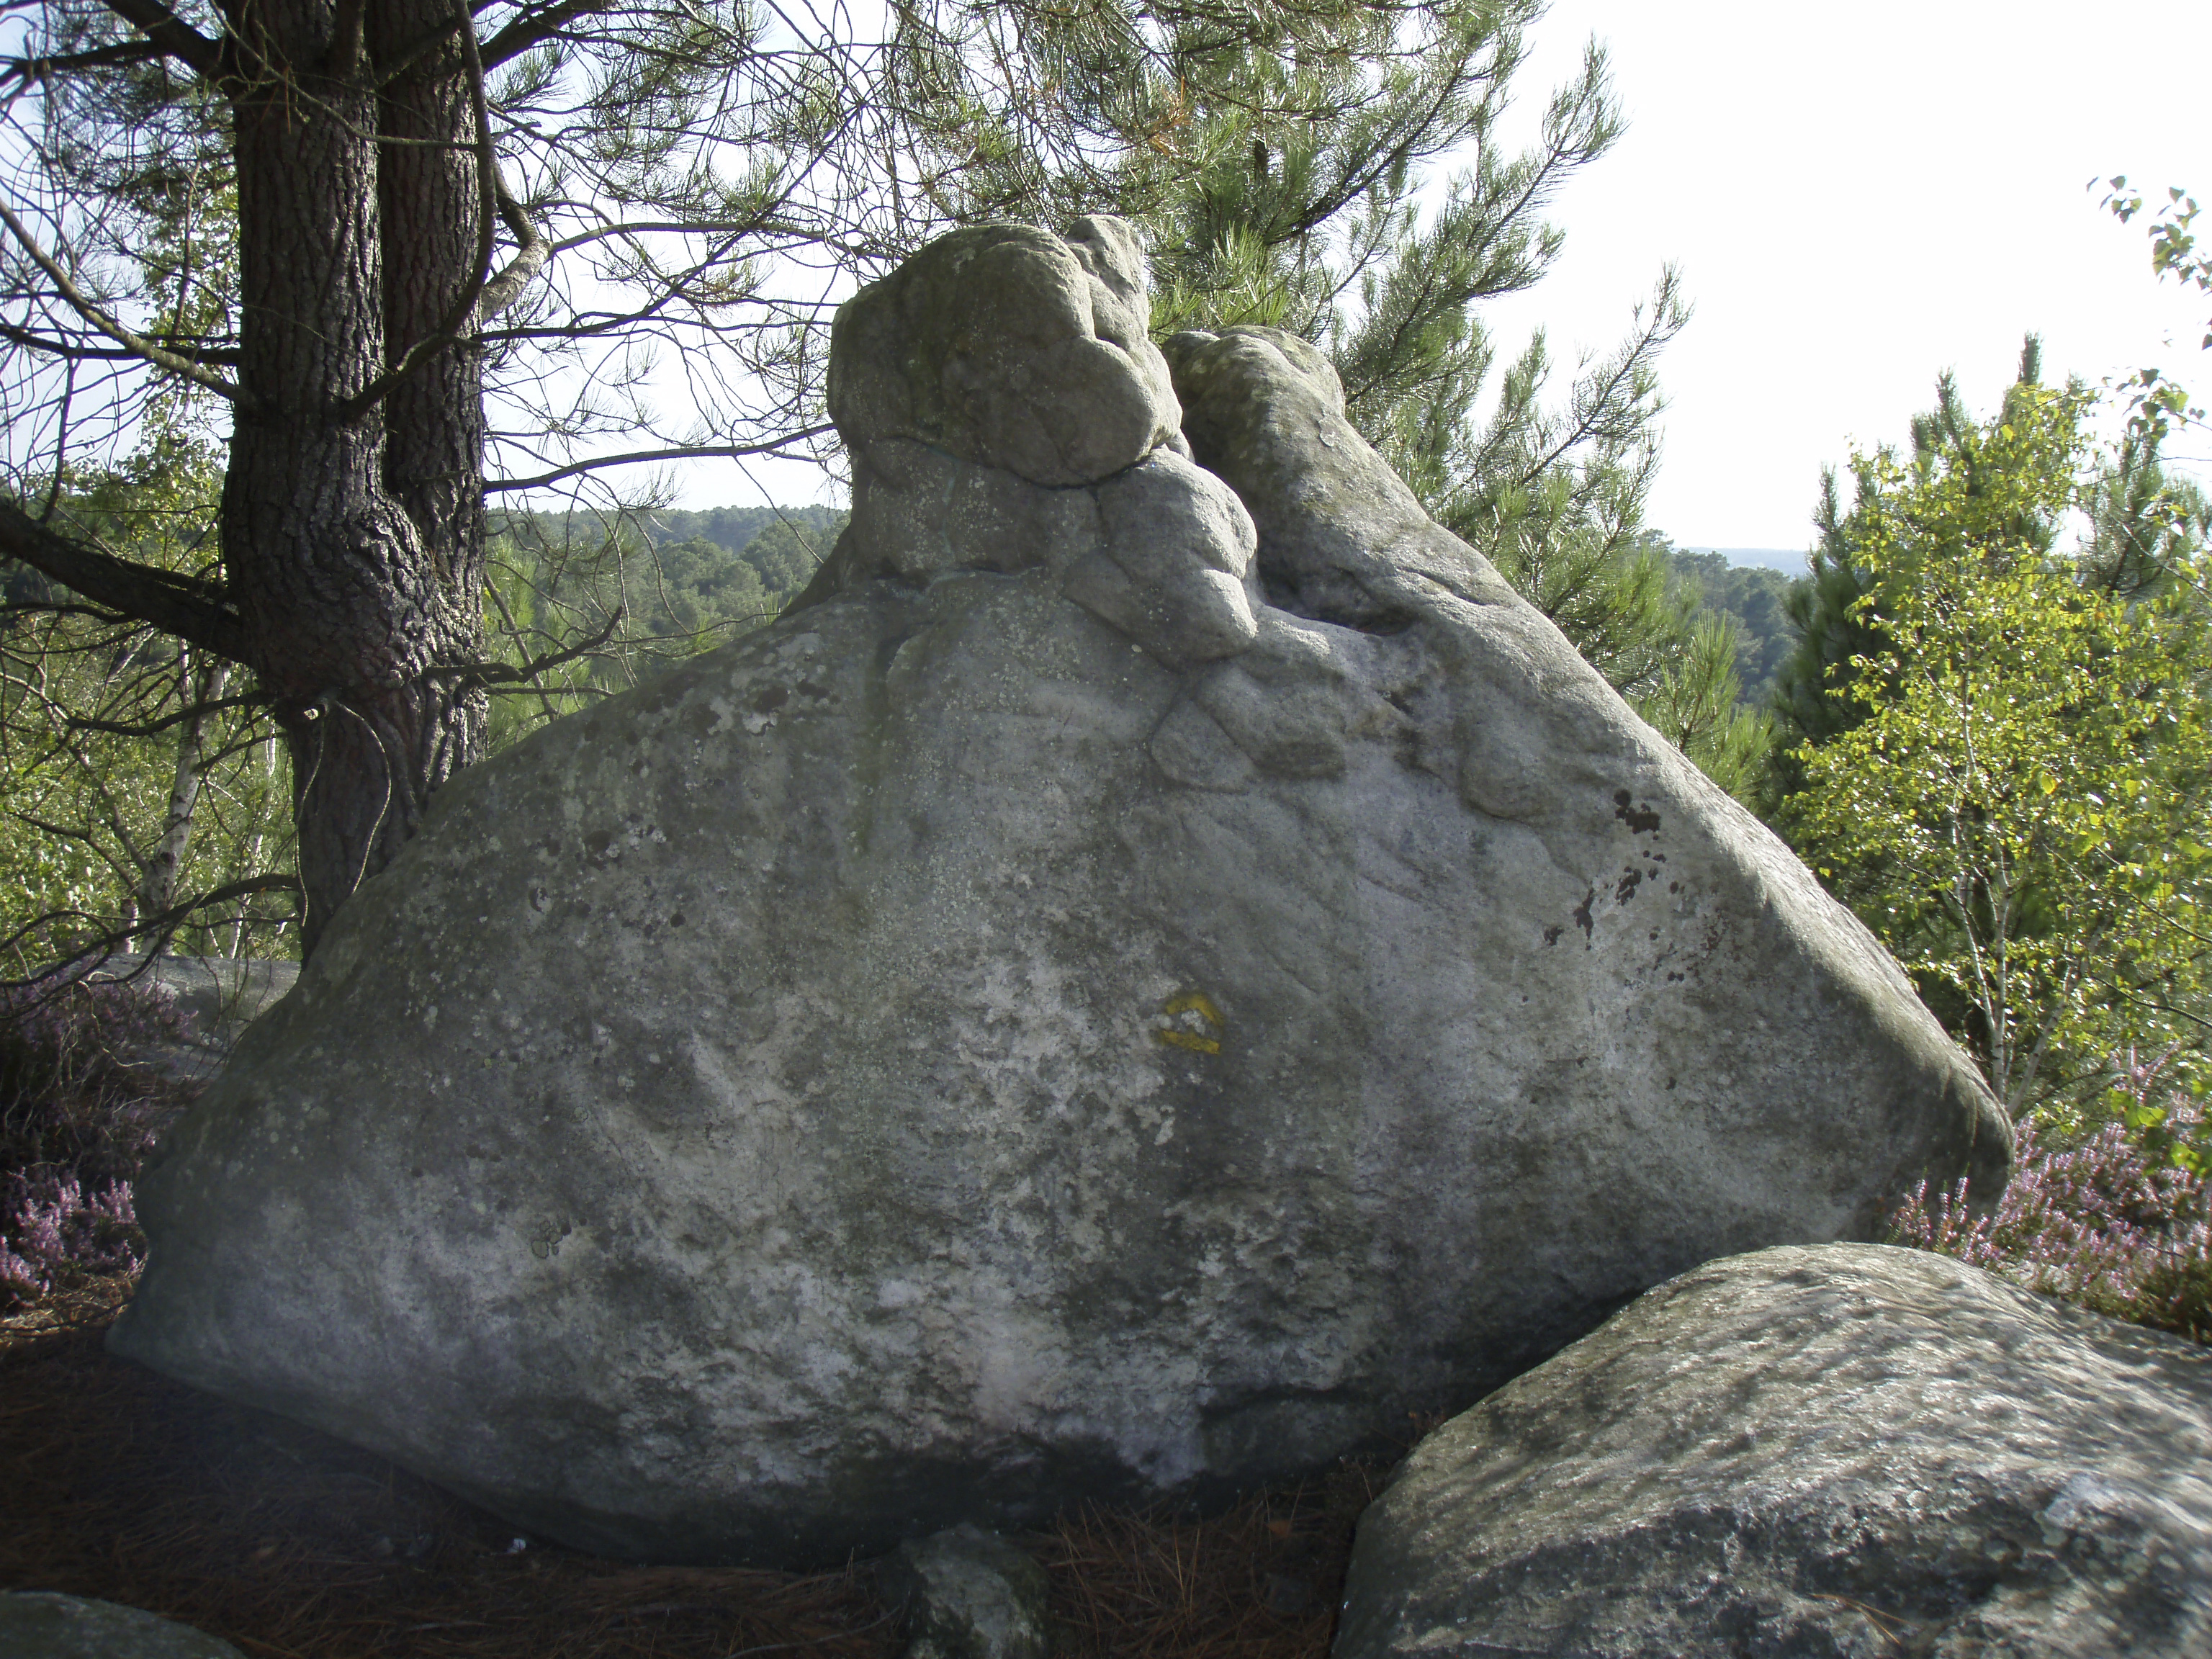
(122, 1485)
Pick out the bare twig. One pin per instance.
(137, 344)
(162, 927)
(681, 452)
(198, 711)
(489, 672)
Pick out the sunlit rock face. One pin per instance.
(1159, 967)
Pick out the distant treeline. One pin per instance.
(691, 577)
(735, 528)
(1752, 597)
(686, 580)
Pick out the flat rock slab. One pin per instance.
(1132, 1001)
(40, 1625)
(1845, 1450)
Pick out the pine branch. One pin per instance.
(83, 354)
(38, 69)
(535, 28)
(186, 607)
(197, 711)
(137, 345)
(176, 38)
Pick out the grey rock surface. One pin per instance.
(988, 1040)
(40, 1625)
(1010, 346)
(1846, 1450)
(967, 1594)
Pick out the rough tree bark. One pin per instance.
(352, 517)
(352, 523)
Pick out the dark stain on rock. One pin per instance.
(1583, 918)
(596, 846)
(771, 700)
(1551, 936)
(1631, 879)
(1640, 819)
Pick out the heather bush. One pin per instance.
(2104, 1222)
(81, 1105)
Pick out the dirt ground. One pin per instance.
(119, 1484)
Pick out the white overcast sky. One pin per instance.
(1858, 196)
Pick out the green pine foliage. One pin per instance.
(1340, 230)
(1697, 705)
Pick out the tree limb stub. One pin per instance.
(533, 29)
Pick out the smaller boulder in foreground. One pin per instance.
(40, 1624)
(1825, 1450)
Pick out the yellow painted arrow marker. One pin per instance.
(1183, 1035)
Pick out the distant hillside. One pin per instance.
(1751, 594)
(734, 529)
(1789, 561)
(686, 579)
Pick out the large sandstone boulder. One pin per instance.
(1840, 1450)
(1156, 971)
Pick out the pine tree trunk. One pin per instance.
(353, 542)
